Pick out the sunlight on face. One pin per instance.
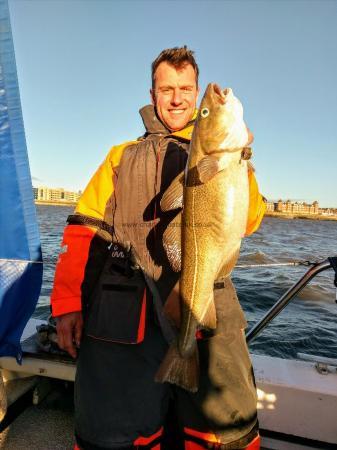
(175, 95)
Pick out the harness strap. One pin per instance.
(79, 219)
(166, 327)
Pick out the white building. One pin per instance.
(47, 194)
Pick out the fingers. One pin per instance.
(65, 338)
(78, 331)
(68, 341)
(69, 330)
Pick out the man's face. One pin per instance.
(175, 95)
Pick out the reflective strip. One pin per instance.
(147, 440)
(209, 437)
(255, 445)
(193, 446)
(141, 327)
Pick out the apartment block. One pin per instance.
(290, 207)
(48, 194)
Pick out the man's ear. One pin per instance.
(153, 98)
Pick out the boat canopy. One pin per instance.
(20, 249)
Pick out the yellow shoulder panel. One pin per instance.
(98, 192)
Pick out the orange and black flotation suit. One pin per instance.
(121, 205)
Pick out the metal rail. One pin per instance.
(286, 298)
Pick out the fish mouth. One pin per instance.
(220, 94)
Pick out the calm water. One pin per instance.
(307, 325)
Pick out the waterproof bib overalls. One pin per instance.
(118, 405)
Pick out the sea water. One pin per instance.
(307, 325)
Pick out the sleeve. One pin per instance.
(257, 205)
(85, 240)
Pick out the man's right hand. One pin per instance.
(69, 331)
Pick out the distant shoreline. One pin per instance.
(300, 216)
(268, 213)
(48, 203)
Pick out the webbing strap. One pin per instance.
(167, 329)
(79, 219)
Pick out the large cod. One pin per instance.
(203, 241)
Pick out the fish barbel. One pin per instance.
(203, 241)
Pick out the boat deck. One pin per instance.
(49, 425)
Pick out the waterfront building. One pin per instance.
(290, 207)
(270, 206)
(47, 194)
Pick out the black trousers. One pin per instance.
(117, 400)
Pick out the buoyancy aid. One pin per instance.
(121, 203)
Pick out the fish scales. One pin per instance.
(213, 222)
(213, 233)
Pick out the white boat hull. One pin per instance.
(293, 398)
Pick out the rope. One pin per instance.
(22, 261)
(238, 266)
(290, 263)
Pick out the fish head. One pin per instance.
(220, 124)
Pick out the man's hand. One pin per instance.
(69, 331)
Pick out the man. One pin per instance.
(117, 403)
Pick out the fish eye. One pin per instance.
(204, 112)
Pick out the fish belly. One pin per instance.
(213, 226)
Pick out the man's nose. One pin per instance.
(177, 97)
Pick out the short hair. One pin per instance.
(178, 57)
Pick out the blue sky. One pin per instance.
(84, 72)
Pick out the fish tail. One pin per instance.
(184, 372)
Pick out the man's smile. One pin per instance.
(177, 111)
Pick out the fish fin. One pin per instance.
(208, 167)
(227, 268)
(209, 318)
(173, 196)
(174, 369)
(172, 243)
(172, 306)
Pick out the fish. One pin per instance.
(203, 240)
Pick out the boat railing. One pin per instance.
(315, 269)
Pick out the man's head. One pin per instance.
(175, 88)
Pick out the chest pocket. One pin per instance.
(118, 304)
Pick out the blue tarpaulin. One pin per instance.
(20, 249)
